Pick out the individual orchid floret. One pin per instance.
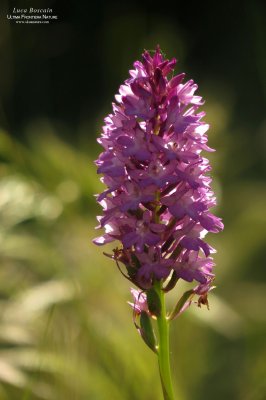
(186, 299)
(140, 302)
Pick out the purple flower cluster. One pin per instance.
(158, 197)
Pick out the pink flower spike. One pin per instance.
(158, 199)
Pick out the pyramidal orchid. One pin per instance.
(157, 202)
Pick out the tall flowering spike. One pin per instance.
(158, 197)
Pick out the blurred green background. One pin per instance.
(66, 331)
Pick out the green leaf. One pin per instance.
(172, 282)
(154, 302)
(181, 302)
(147, 332)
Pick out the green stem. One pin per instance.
(163, 348)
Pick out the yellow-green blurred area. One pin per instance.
(66, 330)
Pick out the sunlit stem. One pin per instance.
(163, 347)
